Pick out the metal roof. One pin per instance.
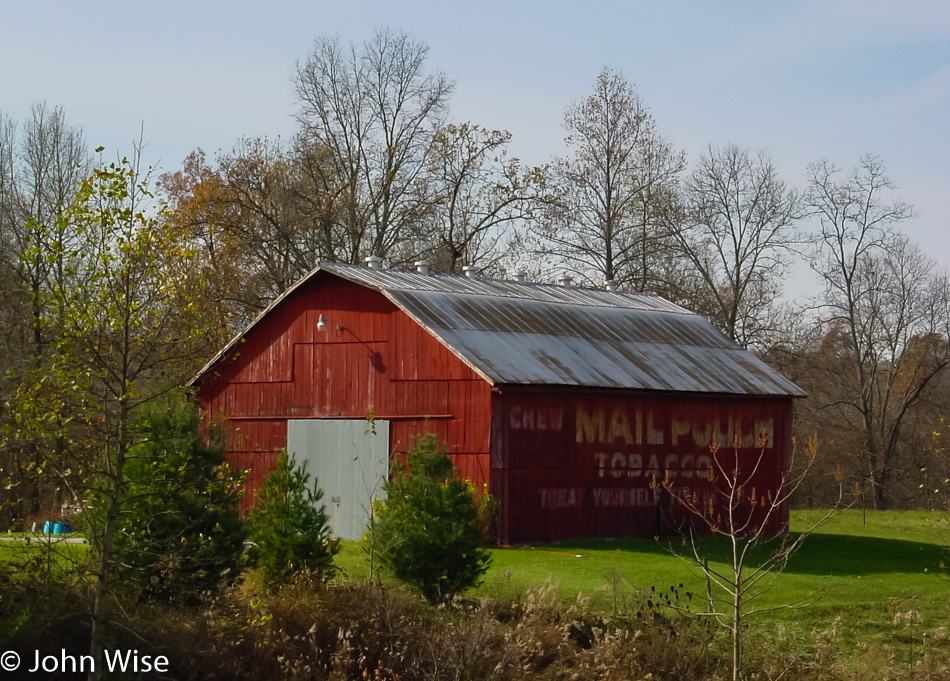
(544, 334)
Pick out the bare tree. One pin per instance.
(13, 313)
(744, 503)
(41, 164)
(480, 194)
(735, 233)
(40, 169)
(256, 221)
(613, 189)
(374, 110)
(886, 305)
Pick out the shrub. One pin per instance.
(290, 527)
(429, 527)
(180, 536)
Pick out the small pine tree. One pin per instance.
(180, 535)
(290, 527)
(429, 525)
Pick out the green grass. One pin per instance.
(861, 568)
(858, 572)
(32, 552)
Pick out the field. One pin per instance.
(873, 587)
(866, 569)
(869, 581)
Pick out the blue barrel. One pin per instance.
(48, 527)
(57, 528)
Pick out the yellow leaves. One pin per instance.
(839, 473)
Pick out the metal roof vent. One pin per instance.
(374, 262)
(565, 280)
(610, 285)
(422, 266)
(521, 276)
(470, 271)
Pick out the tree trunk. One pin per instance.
(100, 614)
(103, 572)
(737, 634)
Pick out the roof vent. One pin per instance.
(374, 262)
(521, 276)
(470, 271)
(565, 280)
(610, 285)
(422, 266)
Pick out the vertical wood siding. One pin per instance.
(372, 358)
(563, 463)
(576, 464)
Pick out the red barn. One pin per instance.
(567, 402)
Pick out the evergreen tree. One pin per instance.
(180, 534)
(290, 527)
(429, 525)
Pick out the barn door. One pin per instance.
(349, 463)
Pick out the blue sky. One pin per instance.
(803, 80)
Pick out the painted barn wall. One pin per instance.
(371, 357)
(575, 464)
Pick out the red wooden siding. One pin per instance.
(563, 462)
(575, 464)
(371, 357)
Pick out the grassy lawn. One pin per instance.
(860, 573)
(40, 552)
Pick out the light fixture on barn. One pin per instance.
(323, 325)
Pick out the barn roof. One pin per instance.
(552, 335)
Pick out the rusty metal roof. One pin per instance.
(521, 333)
(543, 334)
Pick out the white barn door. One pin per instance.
(350, 465)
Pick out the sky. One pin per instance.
(808, 80)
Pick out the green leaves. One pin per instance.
(180, 536)
(428, 532)
(290, 527)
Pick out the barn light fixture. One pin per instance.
(323, 324)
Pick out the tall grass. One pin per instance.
(593, 608)
(874, 581)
